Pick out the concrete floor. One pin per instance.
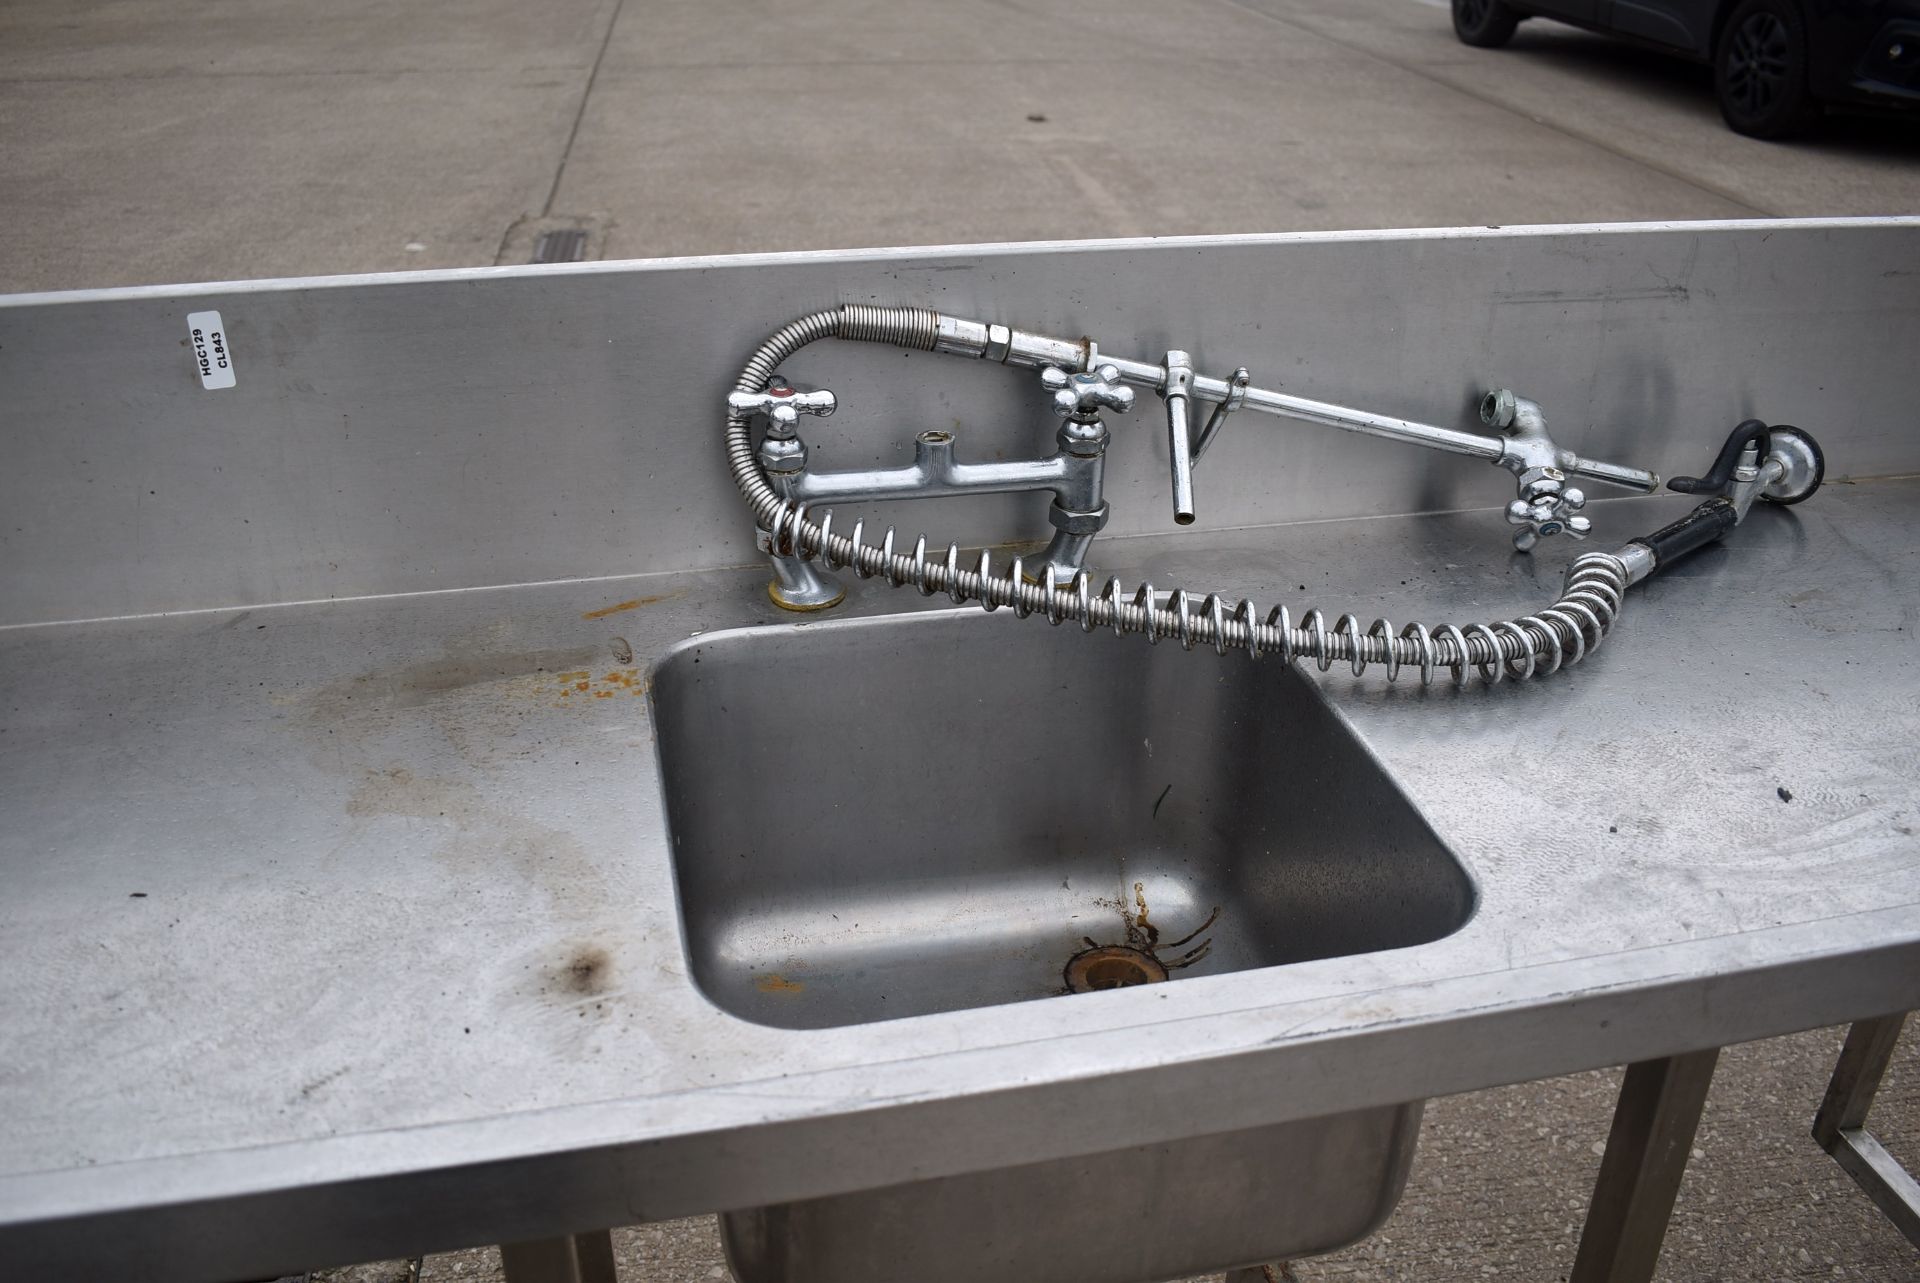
(175, 140)
(165, 140)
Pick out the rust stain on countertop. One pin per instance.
(582, 683)
(635, 604)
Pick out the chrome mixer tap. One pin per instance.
(1781, 464)
(1073, 473)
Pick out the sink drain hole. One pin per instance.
(1113, 966)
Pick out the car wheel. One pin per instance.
(1485, 24)
(1760, 71)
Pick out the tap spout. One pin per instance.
(935, 471)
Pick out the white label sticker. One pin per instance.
(211, 355)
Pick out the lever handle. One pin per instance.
(1083, 396)
(1178, 396)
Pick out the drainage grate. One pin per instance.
(565, 245)
(552, 238)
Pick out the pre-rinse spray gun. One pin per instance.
(1781, 464)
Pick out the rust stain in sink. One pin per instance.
(1138, 960)
(1141, 923)
(774, 982)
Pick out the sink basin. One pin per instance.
(1139, 1215)
(887, 818)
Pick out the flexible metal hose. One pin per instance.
(1563, 633)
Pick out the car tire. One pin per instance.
(1484, 24)
(1760, 70)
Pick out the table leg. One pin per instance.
(575, 1258)
(1653, 1126)
(1841, 1124)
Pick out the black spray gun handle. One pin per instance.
(1719, 478)
(1785, 466)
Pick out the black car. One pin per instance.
(1775, 62)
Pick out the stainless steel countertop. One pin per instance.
(347, 927)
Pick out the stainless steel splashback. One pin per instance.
(442, 430)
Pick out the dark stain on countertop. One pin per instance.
(588, 970)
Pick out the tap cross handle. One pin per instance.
(1545, 507)
(782, 405)
(1083, 396)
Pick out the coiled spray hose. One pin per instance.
(1562, 634)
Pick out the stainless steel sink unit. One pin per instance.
(860, 833)
(408, 578)
(878, 819)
